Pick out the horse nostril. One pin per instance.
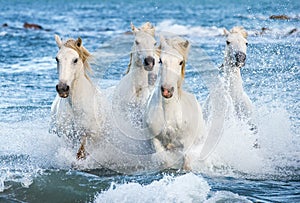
(149, 62)
(167, 92)
(62, 89)
(240, 57)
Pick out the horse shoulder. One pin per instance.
(190, 103)
(154, 118)
(125, 88)
(247, 103)
(193, 116)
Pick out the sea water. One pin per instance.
(36, 166)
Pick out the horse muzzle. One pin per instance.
(240, 58)
(149, 63)
(167, 92)
(63, 89)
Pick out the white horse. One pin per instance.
(80, 112)
(227, 97)
(173, 116)
(232, 82)
(234, 60)
(76, 110)
(134, 89)
(140, 77)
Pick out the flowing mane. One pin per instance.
(78, 109)
(148, 28)
(182, 46)
(83, 53)
(179, 44)
(241, 30)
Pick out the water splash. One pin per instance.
(168, 189)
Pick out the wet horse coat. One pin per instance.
(173, 116)
(234, 60)
(76, 110)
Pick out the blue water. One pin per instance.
(35, 166)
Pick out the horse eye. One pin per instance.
(155, 43)
(181, 62)
(227, 42)
(247, 44)
(76, 60)
(136, 42)
(160, 62)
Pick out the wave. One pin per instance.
(171, 27)
(186, 188)
(194, 31)
(270, 153)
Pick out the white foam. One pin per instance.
(3, 33)
(31, 144)
(225, 196)
(27, 150)
(194, 31)
(3, 178)
(185, 188)
(21, 176)
(235, 153)
(35, 65)
(171, 27)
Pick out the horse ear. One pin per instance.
(244, 33)
(58, 41)
(149, 28)
(149, 25)
(185, 44)
(226, 32)
(133, 28)
(79, 42)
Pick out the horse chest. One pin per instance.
(171, 135)
(171, 138)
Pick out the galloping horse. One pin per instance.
(134, 89)
(227, 97)
(76, 110)
(234, 60)
(173, 116)
(138, 81)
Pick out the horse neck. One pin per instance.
(233, 80)
(82, 93)
(172, 107)
(139, 78)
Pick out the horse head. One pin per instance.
(173, 56)
(236, 47)
(71, 64)
(144, 46)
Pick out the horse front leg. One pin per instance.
(187, 163)
(82, 153)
